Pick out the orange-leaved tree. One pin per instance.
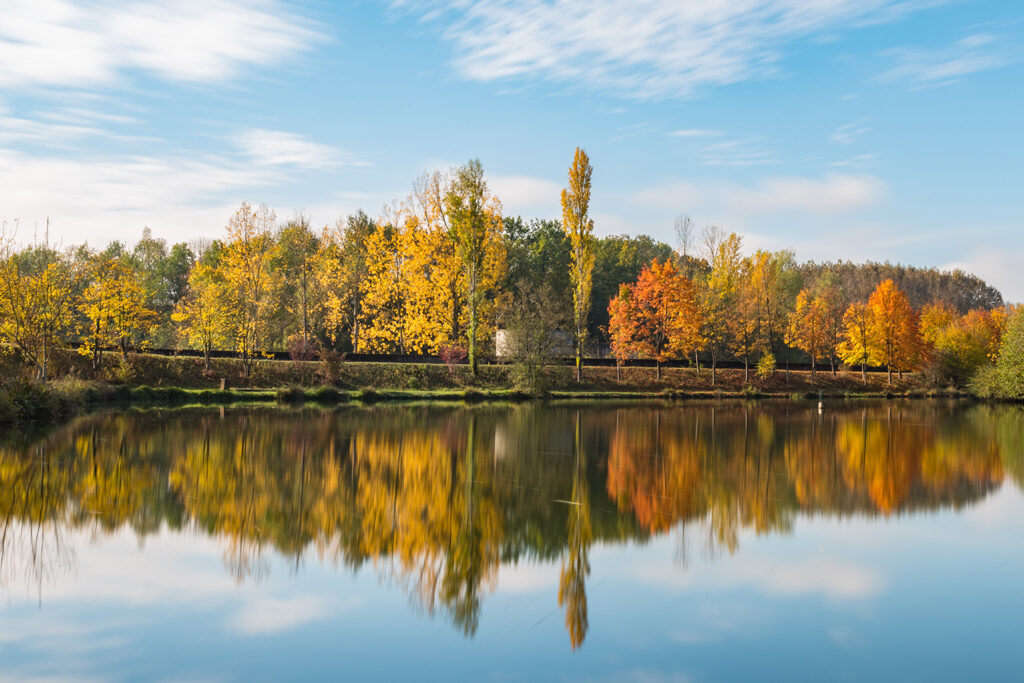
(894, 327)
(663, 319)
(622, 326)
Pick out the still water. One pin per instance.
(682, 542)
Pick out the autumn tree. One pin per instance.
(720, 294)
(580, 228)
(954, 346)
(622, 327)
(808, 326)
(834, 303)
(38, 301)
(893, 327)
(860, 345)
(246, 262)
(341, 269)
(772, 281)
(114, 304)
(744, 319)
(474, 218)
(204, 314)
(382, 294)
(435, 301)
(295, 260)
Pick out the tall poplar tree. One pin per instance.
(474, 219)
(580, 228)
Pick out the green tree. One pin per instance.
(474, 218)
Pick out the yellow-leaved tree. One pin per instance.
(860, 345)
(382, 310)
(205, 315)
(720, 294)
(808, 326)
(435, 302)
(247, 274)
(38, 298)
(114, 304)
(580, 228)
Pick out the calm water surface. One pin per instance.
(679, 543)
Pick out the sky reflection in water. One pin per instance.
(690, 542)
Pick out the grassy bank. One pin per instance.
(176, 381)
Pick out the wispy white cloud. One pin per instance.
(276, 148)
(694, 133)
(648, 49)
(742, 152)
(849, 133)
(934, 67)
(834, 193)
(58, 43)
(858, 162)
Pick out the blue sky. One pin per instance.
(882, 129)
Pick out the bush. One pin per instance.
(367, 395)
(766, 366)
(290, 395)
(330, 366)
(1011, 357)
(31, 400)
(453, 356)
(327, 395)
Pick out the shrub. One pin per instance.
(452, 356)
(327, 395)
(290, 395)
(766, 366)
(31, 400)
(330, 366)
(300, 349)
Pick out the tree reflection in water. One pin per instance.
(437, 499)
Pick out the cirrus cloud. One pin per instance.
(56, 43)
(646, 49)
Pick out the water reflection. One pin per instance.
(437, 499)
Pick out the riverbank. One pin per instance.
(177, 381)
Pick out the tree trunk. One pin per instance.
(696, 361)
(746, 369)
(618, 374)
(472, 324)
(657, 369)
(812, 367)
(888, 374)
(864, 372)
(305, 317)
(714, 368)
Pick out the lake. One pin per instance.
(657, 542)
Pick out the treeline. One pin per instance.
(438, 272)
(759, 306)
